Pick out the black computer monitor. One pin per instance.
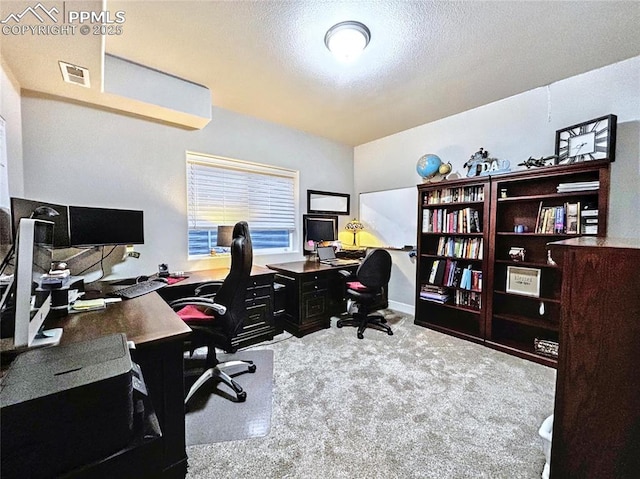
(319, 228)
(105, 226)
(24, 208)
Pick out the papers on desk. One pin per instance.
(82, 305)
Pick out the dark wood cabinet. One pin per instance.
(596, 430)
(512, 211)
(313, 293)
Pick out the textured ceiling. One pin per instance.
(426, 59)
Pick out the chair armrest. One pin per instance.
(208, 289)
(198, 301)
(345, 273)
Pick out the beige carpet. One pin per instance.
(417, 404)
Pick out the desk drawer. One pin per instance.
(316, 285)
(314, 304)
(262, 280)
(257, 312)
(259, 292)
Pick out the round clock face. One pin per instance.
(588, 141)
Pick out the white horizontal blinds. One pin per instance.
(223, 191)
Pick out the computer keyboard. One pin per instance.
(138, 289)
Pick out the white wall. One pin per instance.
(515, 129)
(84, 156)
(11, 112)
(11, 182)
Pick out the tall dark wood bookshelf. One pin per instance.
(508, 320)
(449, 204)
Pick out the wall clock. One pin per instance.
(592, 140)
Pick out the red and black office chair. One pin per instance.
(216, 313)
(369, 291)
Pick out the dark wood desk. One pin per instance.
(314, 293)
(260, 324)
(158, 334)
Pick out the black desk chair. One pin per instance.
(369, 292)
(216, 314)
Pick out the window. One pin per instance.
(221, 191)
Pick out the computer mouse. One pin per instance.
(161, 280)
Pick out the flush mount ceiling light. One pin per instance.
(346, 40)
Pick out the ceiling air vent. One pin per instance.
(75, 74)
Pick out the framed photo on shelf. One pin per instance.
(525, 281)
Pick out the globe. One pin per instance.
(428, 165)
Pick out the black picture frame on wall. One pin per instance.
(328, 203)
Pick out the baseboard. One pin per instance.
(402, 307)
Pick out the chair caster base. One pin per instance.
(252, 368)
(360, 336)
(242, 396)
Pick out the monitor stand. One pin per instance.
(49, 337)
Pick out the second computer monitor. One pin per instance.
(105, 226)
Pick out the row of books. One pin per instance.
(454, 195)
(471, 299)
(458, 247)
(451, 273)
(578, 186)
(466, 220)
(569, 218)
(441, 295)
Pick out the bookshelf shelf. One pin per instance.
(460, 258)
(524, 352)
(529, 264)
(538, 323)
(443, 233)
(453, 306)
(508, 321)
(457, 204)
(549, 196)
(524, 296)
(552, 236)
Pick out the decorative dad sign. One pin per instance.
(481, 165)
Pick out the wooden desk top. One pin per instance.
(301, 267)
(145, 320)
(218, 274)
(599, 242)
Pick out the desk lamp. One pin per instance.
(40, 211)
(225, 236)
(354, 226)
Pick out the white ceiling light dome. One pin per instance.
(347, 40)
